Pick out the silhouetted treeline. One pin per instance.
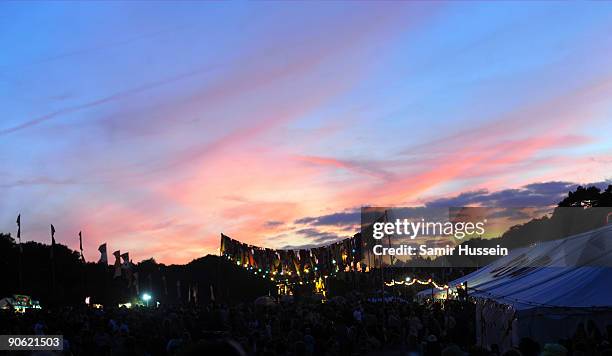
(74, 280)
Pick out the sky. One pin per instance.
(155, 126)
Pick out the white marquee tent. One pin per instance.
(544, 291)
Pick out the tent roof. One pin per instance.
(575, 272)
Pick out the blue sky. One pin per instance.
(155, 126)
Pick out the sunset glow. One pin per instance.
(155, 128)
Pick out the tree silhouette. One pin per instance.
(588, 197)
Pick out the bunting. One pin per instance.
(344, 255)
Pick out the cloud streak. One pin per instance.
(273, 123)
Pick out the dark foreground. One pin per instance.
(349, 326)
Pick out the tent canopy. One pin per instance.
(574, 272)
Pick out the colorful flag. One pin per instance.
(19, 232)
(52, 240)
(81, 246)
(19, 227)
(223, 245)
(126, 267)
(103, 255)
(117, 264)
(126, 260)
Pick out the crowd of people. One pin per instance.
(341, 326)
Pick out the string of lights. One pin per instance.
(410, 281)
(284, 276)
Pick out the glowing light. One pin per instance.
(409, 282)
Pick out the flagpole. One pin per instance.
(20, 269)
(83, 274)
(218, 279)
(53, 262)
(389, 241)
(20, 254)
(382, 282)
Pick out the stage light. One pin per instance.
(146, 297)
